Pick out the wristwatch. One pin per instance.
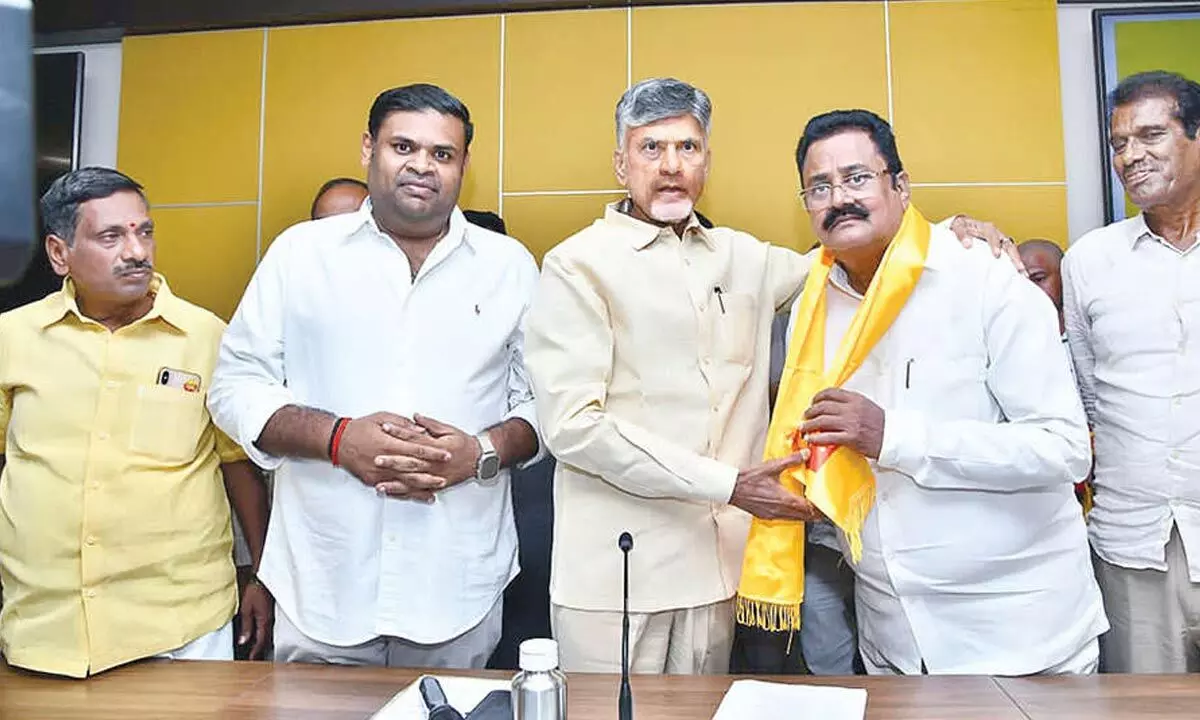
(487, 469)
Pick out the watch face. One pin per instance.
(489, 467)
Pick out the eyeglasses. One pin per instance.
(858, 184)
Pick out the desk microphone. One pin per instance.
(625, 702)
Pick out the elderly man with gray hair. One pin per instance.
(649, 352)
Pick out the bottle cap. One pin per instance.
(539, 655)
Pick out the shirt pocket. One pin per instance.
(167, 423)
(734, 327)
(944, 389)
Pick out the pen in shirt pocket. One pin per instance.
(720, 297)
(908, 373)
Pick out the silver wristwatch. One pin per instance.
(488, 467)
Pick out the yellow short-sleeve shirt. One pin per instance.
(115, 539)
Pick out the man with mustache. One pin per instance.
(649, 353)
(375, 364)
(1132, 304)
(932, 389)
(115, 539)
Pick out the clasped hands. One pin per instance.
(405, 458)
(836, 417)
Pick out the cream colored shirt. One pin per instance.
(649, 357)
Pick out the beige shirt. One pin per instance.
(650, 358)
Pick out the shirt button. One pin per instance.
(95, 484)
(90, 593)
(1174, 454)
(1177, 402)
(91, 540)
(716, 409)
(102, 436)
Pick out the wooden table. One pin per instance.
(164, 689)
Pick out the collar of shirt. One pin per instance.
(643, 234)
(166, 306)
(1141, 231)
(364, 225)
(935, 260)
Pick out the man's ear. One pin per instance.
(904, 186)
(620, 167)
(368, 148)
(58, 251)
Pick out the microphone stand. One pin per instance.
(625, 699)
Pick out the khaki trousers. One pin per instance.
(690, 641)
(1155, 616)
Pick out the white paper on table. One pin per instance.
(463, 694)
(758, 699)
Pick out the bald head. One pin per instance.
(1043, 260)
(338, 196)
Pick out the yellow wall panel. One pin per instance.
(543, 221)
(563, 74)
(976, 90)
(206, 253)
(190, 115)
(768, 69)
(1022, 212)
(322, 79)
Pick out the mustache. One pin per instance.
(843, 211)
(1137, 168)
(134, 266)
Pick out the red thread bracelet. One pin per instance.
(335, 443)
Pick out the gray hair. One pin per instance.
(659, 99)
(60, 204)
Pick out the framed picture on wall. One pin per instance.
(1133, 40)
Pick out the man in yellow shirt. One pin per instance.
(115, 540)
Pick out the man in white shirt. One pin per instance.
(649, 350)
(974, 554)
(391, 537)
(1132, 305)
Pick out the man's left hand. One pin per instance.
(463, 448)
(256, 617)
(841, 417)
(968, 229)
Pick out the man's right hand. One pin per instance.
(363, 440)
(759, 492)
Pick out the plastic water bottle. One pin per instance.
(539, 691)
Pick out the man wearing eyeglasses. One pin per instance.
(935, 396)
(648, 348)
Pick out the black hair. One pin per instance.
(839, 121)
(61, 201)
(1160, 83)
(486, 219)
(418, 98)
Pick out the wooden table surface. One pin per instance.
(164, 689)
